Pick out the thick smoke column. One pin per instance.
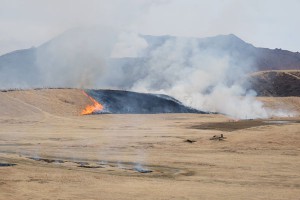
(199, 75)
(201, 78)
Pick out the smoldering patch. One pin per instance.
(140, 168)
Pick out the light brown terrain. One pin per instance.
(60, 154)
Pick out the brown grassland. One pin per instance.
(59, 154)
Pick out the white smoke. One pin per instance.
(75, 58)
(206, 79)
(129, 44)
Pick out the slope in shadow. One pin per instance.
(277, 83)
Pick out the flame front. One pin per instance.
(89, 109)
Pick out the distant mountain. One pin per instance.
(73, 59)
(60, 62)
(262, 58)
(20, 66)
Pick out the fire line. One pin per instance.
(90, 109)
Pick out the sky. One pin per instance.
(263, 23)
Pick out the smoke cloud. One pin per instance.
(207, 78)
(75, 58)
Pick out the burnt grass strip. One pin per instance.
(47, 160)
(82, 163)
(238, 125)
(7, 164)
(90, 166)
(143, 171)
(229, 126)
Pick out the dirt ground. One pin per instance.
(59, 154)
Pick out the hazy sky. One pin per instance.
(264, 23)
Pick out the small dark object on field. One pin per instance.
(89, 166)
(218, 137)
(82, 163)
(144, 171)
(47, 160)
(190, 141)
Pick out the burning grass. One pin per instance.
(90, 109)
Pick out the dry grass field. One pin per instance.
(49, 151)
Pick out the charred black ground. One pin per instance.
(125, 102)
(238, 125)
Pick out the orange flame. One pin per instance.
(89, 109)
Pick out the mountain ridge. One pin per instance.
(37, 66)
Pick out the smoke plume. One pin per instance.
(207, 78)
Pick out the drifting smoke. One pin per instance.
(76, 58)
(205, 78)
